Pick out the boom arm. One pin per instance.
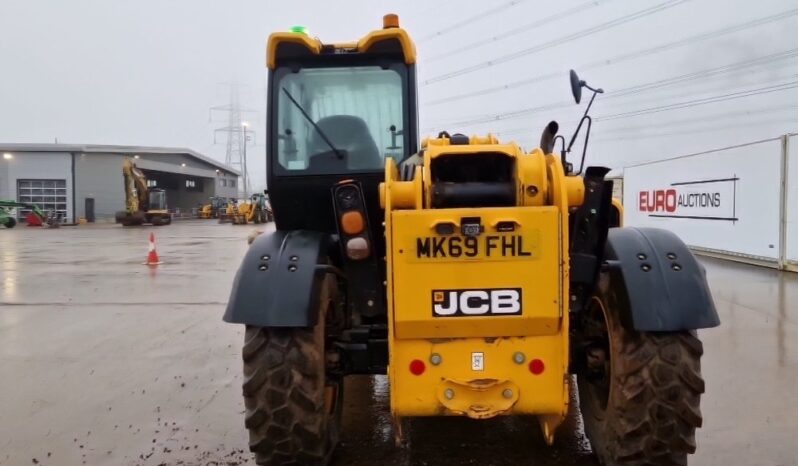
(136, 192)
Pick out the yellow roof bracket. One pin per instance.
(285, 40)
(382, 36)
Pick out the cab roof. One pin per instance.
(390, 40)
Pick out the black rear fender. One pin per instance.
(279, 281)
(665, 286)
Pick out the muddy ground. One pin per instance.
(104, 361)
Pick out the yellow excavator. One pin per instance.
(142, 203)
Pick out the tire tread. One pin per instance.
(653, 409)
(284, 381)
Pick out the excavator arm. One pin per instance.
(136, 190)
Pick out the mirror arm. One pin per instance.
(584, 116)
(589, 104)
(587, 139)
(563, 153)
(599, 90)
(576, 133)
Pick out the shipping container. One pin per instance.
(728, 202)
(790, 227)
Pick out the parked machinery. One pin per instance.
(226, 214)
(214, 208)
(142, 203)
(256, 210)
(478, 276)
(7, 218)
(36, 217)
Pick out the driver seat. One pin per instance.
(349, 134)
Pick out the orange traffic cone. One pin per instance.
(152, 257)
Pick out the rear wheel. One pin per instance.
(11, 222)
(639, 391)
(293, 407)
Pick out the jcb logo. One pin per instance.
(499, 302)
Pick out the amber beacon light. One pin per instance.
(390, 21)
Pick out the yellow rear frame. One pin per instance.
(505, 385)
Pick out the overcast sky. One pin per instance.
(146, 72)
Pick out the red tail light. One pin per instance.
(417, 367)
(536, 366)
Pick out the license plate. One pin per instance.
(482, 247)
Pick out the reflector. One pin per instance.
(352, 222)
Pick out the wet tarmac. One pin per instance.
(104, 361)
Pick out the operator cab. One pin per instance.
(336, 112)
(157, 199)
(337, 120)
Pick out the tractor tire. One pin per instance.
(639, 391)
(293, 408)
(11, 222)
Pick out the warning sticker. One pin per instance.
(477, 361)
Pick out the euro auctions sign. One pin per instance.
(706, 199)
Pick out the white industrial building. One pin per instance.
(85, 181)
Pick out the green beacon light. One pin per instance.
(299, 30)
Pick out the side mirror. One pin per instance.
(394, 133)
(576, 86)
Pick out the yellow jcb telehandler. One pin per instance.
(478, 276)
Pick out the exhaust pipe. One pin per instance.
(547, 138)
